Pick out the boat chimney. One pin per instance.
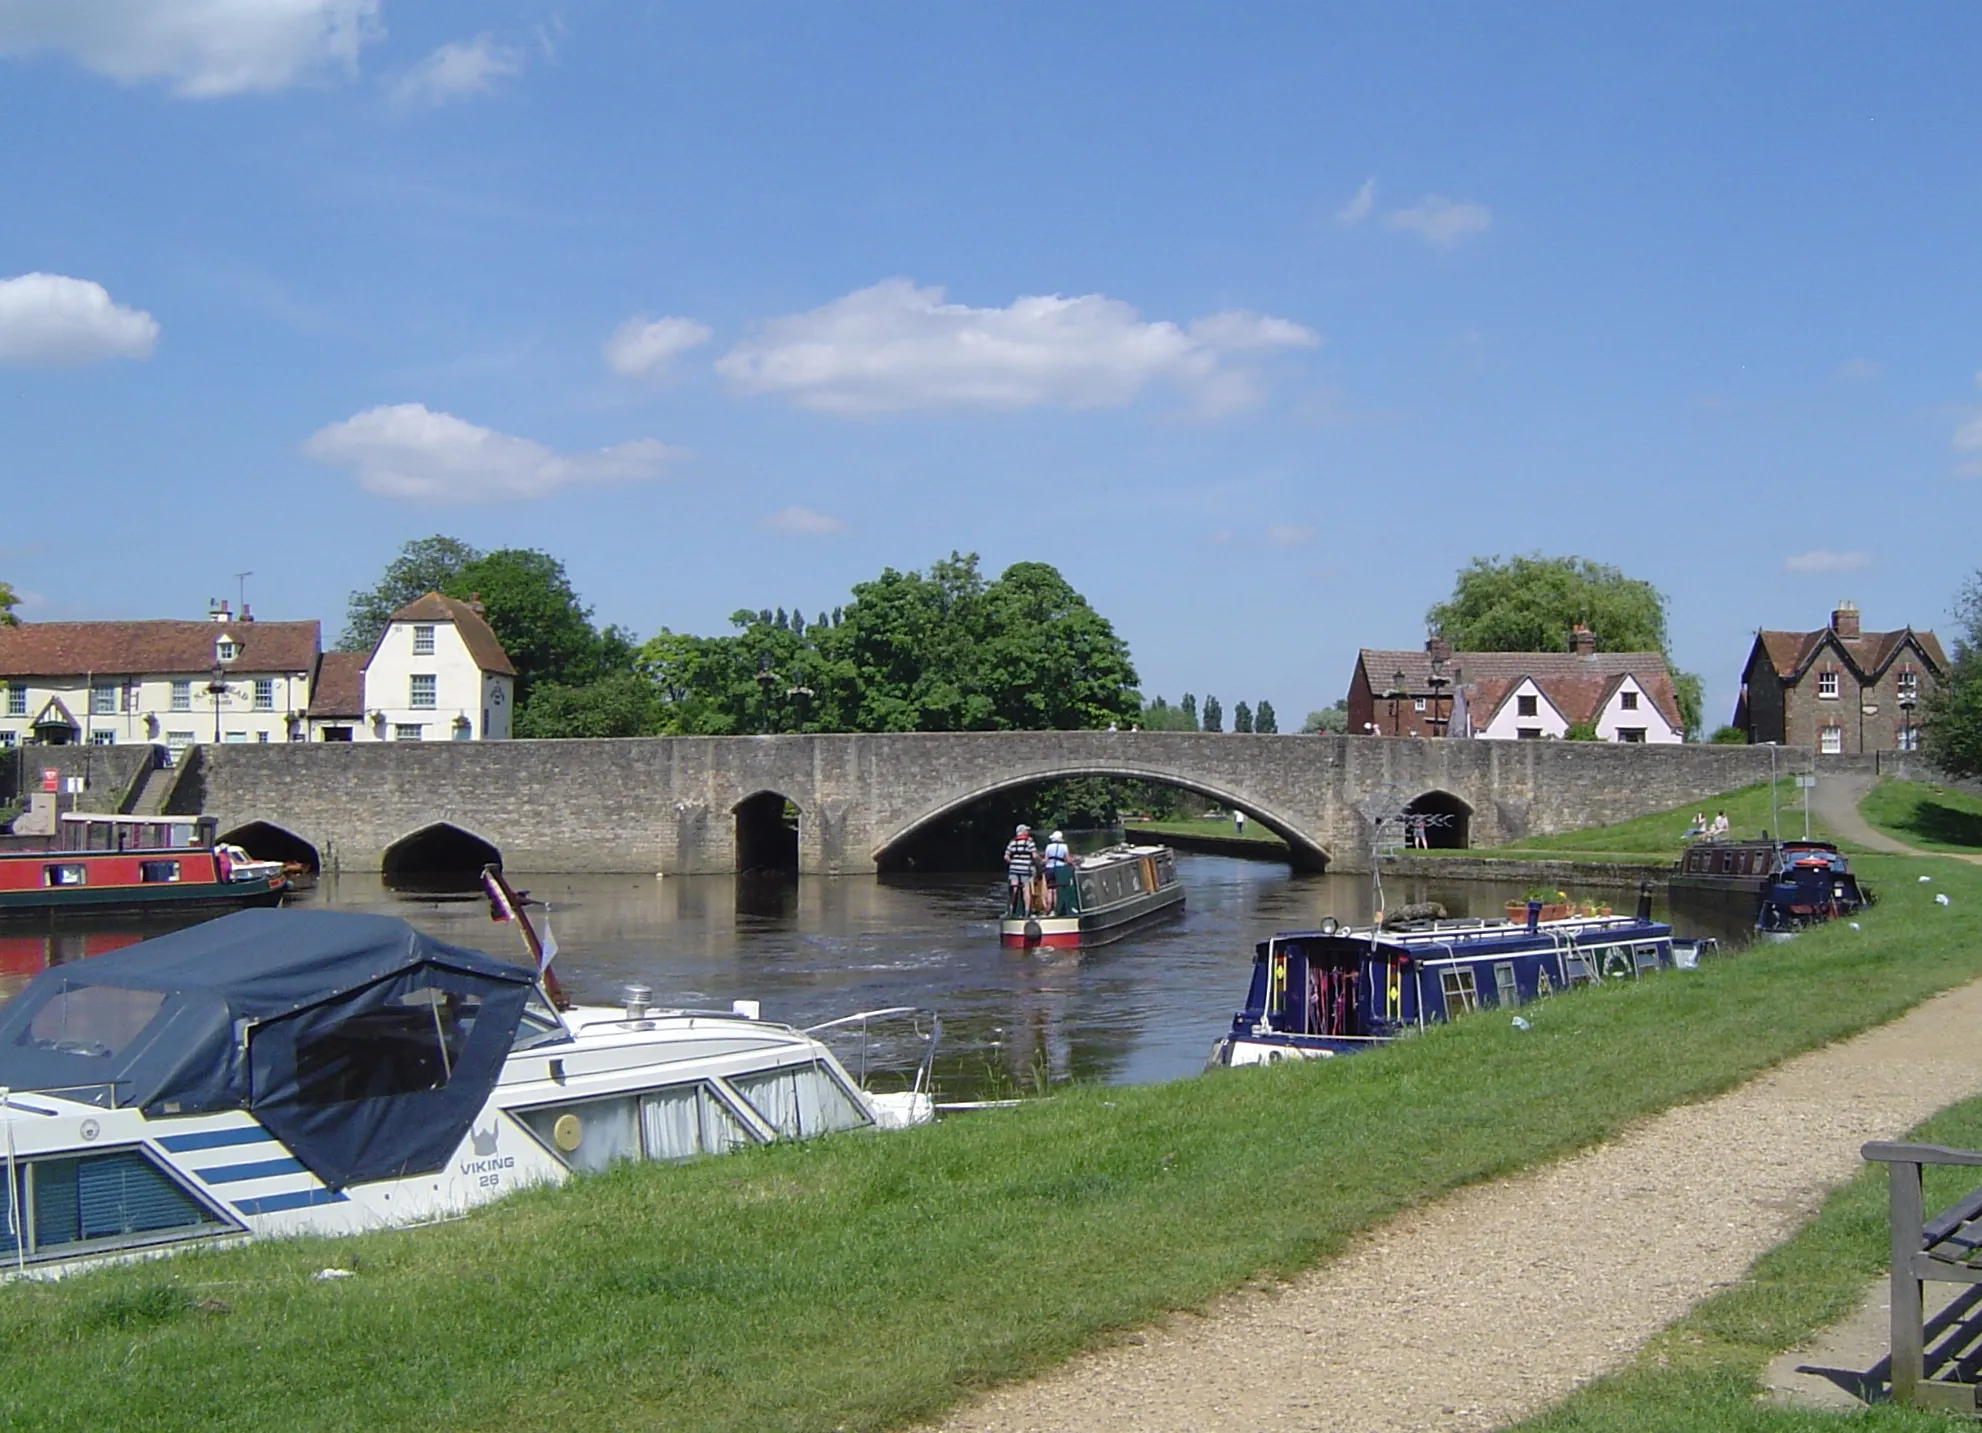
(1582, 641)
(1844, 621)
(1645, 901)
(637, 998)
(1534, 916)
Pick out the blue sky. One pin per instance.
(1258, 321)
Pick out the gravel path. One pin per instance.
(1836, 801)
(1497, 1301)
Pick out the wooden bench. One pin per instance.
(1944, 1249)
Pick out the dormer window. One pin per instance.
(423, 640)
(226, 649)
(1827, 686)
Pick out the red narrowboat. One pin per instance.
(99, 865)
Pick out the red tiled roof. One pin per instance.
(1578, 686)
(1868, 655)
(476, 634)
(136, 649)
(339, 688)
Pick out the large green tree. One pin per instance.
(546, 630)
(426, 564)
(1529, 603)
(1954, 710)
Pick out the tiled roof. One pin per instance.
(475, 631)
(1868, 655)
(1577, 685)
(339, 689)
(136, 649)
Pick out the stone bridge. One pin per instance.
(681, 805)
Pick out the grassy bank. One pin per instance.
(865, 1282)
(1218, 827)
(1934, 818)
(1702, 1374)
(1662, 836)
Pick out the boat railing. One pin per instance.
(102, 1094)
(925, 1029)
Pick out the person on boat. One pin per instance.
(1021, 860)
(1059, 873)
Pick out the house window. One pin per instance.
(182, 696)
(1909, 738)
(177, 741)
(422, 697)
(1827, 686)
(337, 733)
(1528, 733)
(6, 739)
(1631, 734)
(1831, 740)
(1628, 701)
(226, 649)
(17, 700)
(103, 699)
(103, 738)
(264, 694)
(1459, 992)
(407, 731)
(1524, 706)
(1418, 704)
(1909, 686)
(423, 641)
(262, 737)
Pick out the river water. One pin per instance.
(1145, 1008)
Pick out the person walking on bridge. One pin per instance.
(1021, 861)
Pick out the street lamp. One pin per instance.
(766, 679)
(217, 688)
(1775, 816)
(1396, 692)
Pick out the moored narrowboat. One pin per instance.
(1099, 898)
(1776, 886)
(1336, 990)
(114, 866)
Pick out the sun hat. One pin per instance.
(1024, 830)
(1056, 836)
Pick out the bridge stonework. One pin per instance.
(666, 804)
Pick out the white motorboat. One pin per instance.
(324, 1072)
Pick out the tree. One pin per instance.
(1529, 603)
(1729, 736)
(1189, 708)
(1954, 710)
(426, 564)
(1335, 718)
(8, 602)
(539, 620)
(624, 704)
(1264, 720)
(1214, 715)
(1580, 731)
(1159, 715)
(1242, 718)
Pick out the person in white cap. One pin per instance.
(1059, 872)
(1021, 860)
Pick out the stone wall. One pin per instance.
(111, 774)
(667, 804)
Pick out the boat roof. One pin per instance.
(1126, 851)
(1462, 932)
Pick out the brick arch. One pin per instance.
(440, 848)
(1306, 849)
(763, 841)
(268, 841)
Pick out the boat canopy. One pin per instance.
(360, 1043)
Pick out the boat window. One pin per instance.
(1457, 985)
(66, 874)
(1581, 971)
(1727, 860)
(688, 1120)
(588, 1135)
(1506, 989)
(1647, 955)
(94, 1020)
(120, 1195)
(158, 872)
(401, 1048)
(800, 1101)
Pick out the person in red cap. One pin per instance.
(1021, 860)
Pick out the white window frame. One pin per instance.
(17, 699)
(105, 737)
(182, 696)
(1909, 686)
(1830, 740)
(226, 650)
(423, 639)
(103, 698)
(408, 731)
(264, 694)
(423, 691)
(1827, 686)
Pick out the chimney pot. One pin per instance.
(1438, 649)
(1582, 641)
(1844, 621)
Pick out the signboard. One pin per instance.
(1806, 781)
(51, 779)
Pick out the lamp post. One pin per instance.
(766, 679)
(216, 688)
(1396, 693)
(1775, 816)
(802, 694)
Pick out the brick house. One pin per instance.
(1839, 688)
(1626, 696)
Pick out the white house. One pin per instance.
(228, 679)
(437, 673)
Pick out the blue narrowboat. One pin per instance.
(1337, 990)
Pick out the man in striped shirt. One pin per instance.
(1021, 860)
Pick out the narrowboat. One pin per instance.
(317, 1072)
(1110, 892)
(1336, 990)
(1774, 886)
(102, 866)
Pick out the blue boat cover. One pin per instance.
(360, 1043)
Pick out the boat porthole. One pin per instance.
(567, 1132)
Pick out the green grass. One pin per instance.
(1203, 826)
(1934, 818)
(863, 1283)
(1702, 1375)
(1662, 835)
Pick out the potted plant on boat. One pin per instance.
(1553, 905)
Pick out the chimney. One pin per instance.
(475, 604)
(216, 609)
(1438, 649)
(1582, 641)
(1844, 621)
(246, 615)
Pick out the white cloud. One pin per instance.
(405, 450)
(1289, 534)
(457, 70)
(1359, 204)
(52, 320)
(647, 348)
(803, 522)
(1822, 559)
(201, 48)
(1441, 221)
(897, 348)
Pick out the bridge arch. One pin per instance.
(1304, 850)
(766, 832)
(266, 841)
(440, 849)
(1439, 821)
